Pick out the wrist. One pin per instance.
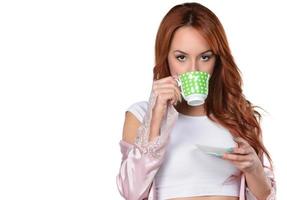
(258, 169)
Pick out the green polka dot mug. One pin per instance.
(194, 86)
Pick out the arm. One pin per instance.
(261, 184)
(141, 160)
(258, 177)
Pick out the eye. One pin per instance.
(180, 58)
(205, 57)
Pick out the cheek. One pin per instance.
(172, 66)
(176, 67)
(210, 67)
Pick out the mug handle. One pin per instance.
(178, 84)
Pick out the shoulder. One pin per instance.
(139, 109)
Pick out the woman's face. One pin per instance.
(190, 52)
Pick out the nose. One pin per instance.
(193, 66)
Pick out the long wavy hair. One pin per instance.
(225, 99)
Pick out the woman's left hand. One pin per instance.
(243, 156)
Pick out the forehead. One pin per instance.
(189, 40)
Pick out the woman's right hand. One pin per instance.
(167, 92)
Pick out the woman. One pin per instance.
(160, 160)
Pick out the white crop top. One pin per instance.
(186, 171)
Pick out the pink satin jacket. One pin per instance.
(141, 160)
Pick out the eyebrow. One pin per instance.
(187, 53)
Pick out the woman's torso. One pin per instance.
(208, 198)
(188, 171)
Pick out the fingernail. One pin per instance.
(229, 150)
(215, 154)
(218, 155)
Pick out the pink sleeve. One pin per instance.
(270, 175)
(141, 160)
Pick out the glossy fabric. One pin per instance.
(141, 160)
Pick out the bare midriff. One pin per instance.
(208, 198)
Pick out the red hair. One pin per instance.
(225, 99)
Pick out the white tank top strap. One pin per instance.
(138, 109)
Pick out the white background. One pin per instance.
(69, 69)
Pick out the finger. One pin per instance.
(168, 96)
(241, 141)
(160, 91)
(168, 79)
(178, 93)
(235, 157)
(170, 85)
(174, 99)
(241, 150)
(241, 164)
(164, 94)
(169, 91)
(178, 97)
(175, 77)
(177, 88)
(163, 80)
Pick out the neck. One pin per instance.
(186, 109)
